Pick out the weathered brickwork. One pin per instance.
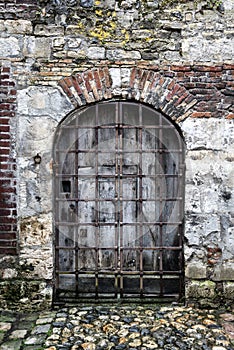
(8, 214)
(57, 56)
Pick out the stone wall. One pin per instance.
(59, 55)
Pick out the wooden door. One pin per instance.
(118, 204)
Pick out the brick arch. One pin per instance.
(98, 84)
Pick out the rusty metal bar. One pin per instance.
(161, 200)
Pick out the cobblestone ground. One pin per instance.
(118, 327)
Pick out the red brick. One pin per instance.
(5, 144)
(230, 116)
(97, 80)
(107, 77)
(6, 70)
(7, 243)
(5, 228)
(4, 166)
(171, 85)
(101, 73)
(87, 78)
(180, 68)
(8, 220)
(68, 81)
(189, 86)
(66, 89)
(169, 74)
(177, 90)
(155, 80)
(13, 92)
(7, 204)
(5, 128)
(8, 250)
(76, 85)
(143, 79)
(8, 190)
(7, 83)
(5, 212)
(201, 114)
(4, 121)
(5, 106)
(181, 98)
(79, 79)
(7, 114)
(7, 236)
(228, 66)
(208, 68)
(132, 77)
(4, 76)
(5, 182)
(4, 159)
(4, 151)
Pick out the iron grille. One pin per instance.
(118, 199)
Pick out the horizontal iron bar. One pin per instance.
(157, 274)
(114, 126)
(139, 150)
(113, 176)
(113, 224)
(136, 248)
(120, 199)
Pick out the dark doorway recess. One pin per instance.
(118, 204)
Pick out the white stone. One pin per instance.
(196, 270)
(228, 4)
(96, 53)
(36, 230)
(48, 30)
(59, 42)
(193, 232)
(209, 199)
(209, 134)
(192, 199)
(116, 77)
(9, 273)
(224, 271)
(19, 26)
(40, 258)
(37, 47)
(119, 54)
(53, 102)
(10, 48)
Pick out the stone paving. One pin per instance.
(118, 327)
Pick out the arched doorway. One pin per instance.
(118, 204)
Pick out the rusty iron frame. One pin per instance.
(119, 275)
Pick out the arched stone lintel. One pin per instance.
(98, 84)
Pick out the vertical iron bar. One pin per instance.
(161, 208)
(120, 194)
(97, 200)
(56, 238)
(140, 200)
(76, 190)
(117, 256)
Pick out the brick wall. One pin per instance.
(8, 228)
(210, 86)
